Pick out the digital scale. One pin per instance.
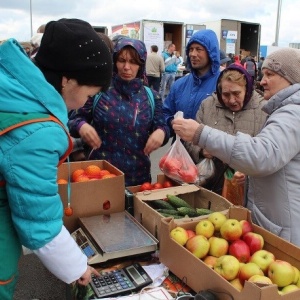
(105, 237)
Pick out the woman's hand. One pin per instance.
(206, 154)
(90, 136)
(239, 178)
(185, 128)
(86, 278)
(155, 140)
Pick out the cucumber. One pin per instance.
(168, 211)
(187, 211)
(161, 204)
(177, 202)
(203, 211)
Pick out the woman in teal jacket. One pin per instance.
(30, 207)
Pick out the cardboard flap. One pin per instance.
(239, 213)
(162, 193)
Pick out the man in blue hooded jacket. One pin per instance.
(187, 93)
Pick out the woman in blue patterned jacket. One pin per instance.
(127, 120)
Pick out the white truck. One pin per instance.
(237, 37)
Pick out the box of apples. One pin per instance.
(229, 255)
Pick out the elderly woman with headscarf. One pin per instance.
(234, 107)
(272, 158)
(127, 121)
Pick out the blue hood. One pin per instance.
(208, 39)
(24, 87)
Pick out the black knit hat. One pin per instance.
(72, 48)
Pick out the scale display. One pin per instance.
(105, 237)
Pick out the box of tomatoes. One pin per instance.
(150, 206)
(89, 188)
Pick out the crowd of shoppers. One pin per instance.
(122, 120)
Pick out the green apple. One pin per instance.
(297, 275)
(263, 259)
(227, 266)
(180, 235)
(289, 288)
(262, 279)
(217, 218)
(236, 283)
(205, 227)
(248, 270)
(281, 273)
(218, 246)
(210, 260)
(198, 245)
(231, 230)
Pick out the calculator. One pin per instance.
(121, 281)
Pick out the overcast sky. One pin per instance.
(15, 20)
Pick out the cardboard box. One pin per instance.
(197, 197)
(161, 178)
(90, 198)
(200, 277)
(131, 190)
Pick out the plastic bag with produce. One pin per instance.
(177, 163)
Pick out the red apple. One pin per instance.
(218, 246)
(227, 266)
(262, 279)
(263, 259)
(210, 260)
(249, 269)
(246, 227)
(240, 250)
(190, 233)
(231, 230)
(198, 245)
(254, 240)
(281, 273)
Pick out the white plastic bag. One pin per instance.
(206, 169)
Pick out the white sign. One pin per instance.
(154, 35)
(232, 35)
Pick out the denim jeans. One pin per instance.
(166, 81)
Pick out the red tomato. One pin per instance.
(188, 176)
(106, 205)
(162, 162)
(146, 186)
(157, 186)
(173, 164)
(167, 184)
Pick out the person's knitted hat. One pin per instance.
(248, 78)
(285, 62)
(72, 48)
